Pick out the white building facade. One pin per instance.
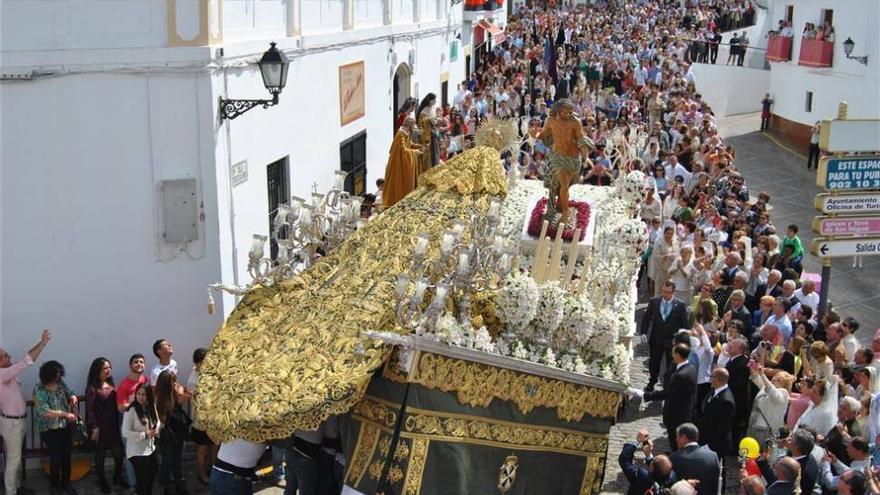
(804, 91)
(124, 194)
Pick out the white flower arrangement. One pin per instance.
(549, 358)
(551, 309)
(547, 325)
(482, 340)
(605, 332)
(513, 210)
(520, 351)
(619, 364)
(577, 324)
(632, 236)
(518, 301)
(631, 188)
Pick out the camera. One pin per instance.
(766, 344)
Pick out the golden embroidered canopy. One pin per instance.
(291, 355)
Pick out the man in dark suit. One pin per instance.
(640, 479)
(771, 288)
(679, 393)
(731, 267)
(693, 462)
(738, 371)
(737, 310)
(716, 418)
(664, 316)
(781, 479)
(800, 445)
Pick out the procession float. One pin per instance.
(468, 340)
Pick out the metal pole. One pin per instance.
(842, 111)
(826, 287)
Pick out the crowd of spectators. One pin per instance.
(142, 420)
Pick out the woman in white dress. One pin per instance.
(681, 273)
(665, 252)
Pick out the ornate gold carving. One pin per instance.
(288, 356)
(478, 384)
(415, 469)
(483, 431)
(363, 453)
(401, 453)
(591, 482)
(477, 174)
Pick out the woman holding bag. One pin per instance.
(55, 411)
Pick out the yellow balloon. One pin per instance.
(749, 447)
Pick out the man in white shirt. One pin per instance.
(857, 450)
(780, 319)
(848, 328)
(674, 169)
(233, 470)
(807, 295)
(163, 350)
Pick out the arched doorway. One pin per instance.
(401, 90)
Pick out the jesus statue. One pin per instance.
(565, 136)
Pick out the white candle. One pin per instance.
(440, 296)
(295, 205)
(498, 245)
(421, 245)
(257, 246)
(421, 287)
(572, 258)
(446, 242)
(402, 285)
(505, 262)
(463, 262)
(306, 217)
(494, 208)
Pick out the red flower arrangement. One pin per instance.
(582, 219)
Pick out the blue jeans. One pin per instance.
(303, 473)
(229, 484)
(277, 463)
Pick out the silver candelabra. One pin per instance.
(302, 232)
(464, 266)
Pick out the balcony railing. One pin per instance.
(816, 53)
(482, 5)
(779, 48)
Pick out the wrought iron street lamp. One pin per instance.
(273, 68)
(848, 46)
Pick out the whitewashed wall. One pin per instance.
(42, 25)
(731, 90)
(81, 168)
(846, 80)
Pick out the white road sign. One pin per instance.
(830, 248)
(850, 136)
(848, 204)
